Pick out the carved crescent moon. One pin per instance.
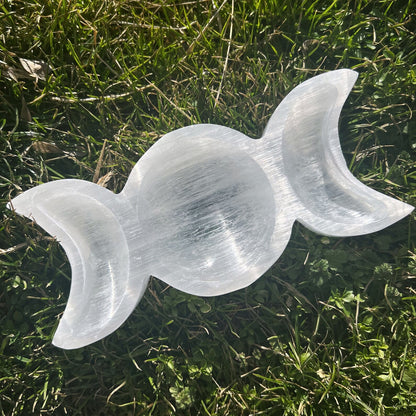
(206, 209)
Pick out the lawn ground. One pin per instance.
(86, 87)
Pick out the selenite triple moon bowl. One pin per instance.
(206, 209)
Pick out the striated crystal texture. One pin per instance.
(206, 209)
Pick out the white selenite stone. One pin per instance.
(207, 209)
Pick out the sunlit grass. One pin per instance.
(330, 330)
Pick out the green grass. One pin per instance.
(330, 330)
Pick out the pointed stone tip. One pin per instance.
(398, 211)
(407, 209)
(353, 74)
(59, 343)
(65, 339)
(22, 203)
(343, 78)
(347, 76)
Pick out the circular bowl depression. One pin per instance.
(208, 214)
